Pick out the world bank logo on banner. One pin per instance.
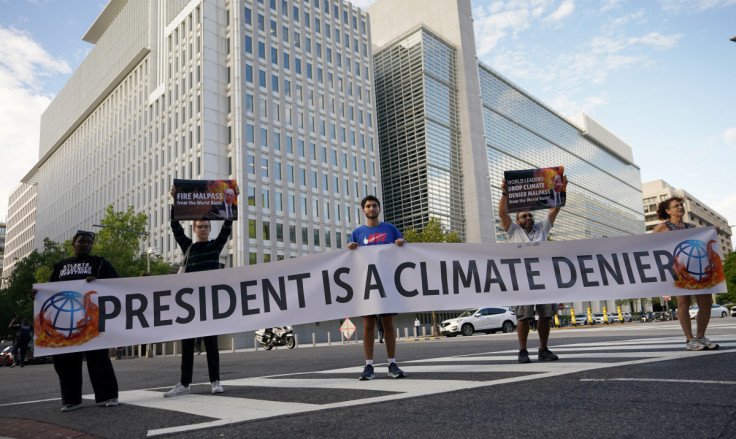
(67, 318)
(697, 265)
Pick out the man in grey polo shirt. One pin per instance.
(526, 230)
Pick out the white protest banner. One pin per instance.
(77, 315)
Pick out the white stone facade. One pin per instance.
(170, 90)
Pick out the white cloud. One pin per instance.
(607, 5)
(693, 6)
(566, 8)
(23, 65)
(729, 136)
(620, 21)
(727, 207)
(657, 40)
(490, 29)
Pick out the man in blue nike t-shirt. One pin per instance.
(375, 232)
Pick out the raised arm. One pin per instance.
(503, 207)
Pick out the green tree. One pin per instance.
(729, 267)
(122, 248)
(433, 231)
(15, 299)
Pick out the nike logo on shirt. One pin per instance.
(376, 237)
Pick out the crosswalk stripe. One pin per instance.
(575, 357)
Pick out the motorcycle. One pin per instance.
(279, 336)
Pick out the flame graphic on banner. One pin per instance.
(87, 327)
(713, 274)
(548, 175)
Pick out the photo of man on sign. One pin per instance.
(533, 189)
(205, 199)
(225, 210)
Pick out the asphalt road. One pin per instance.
(622, 381)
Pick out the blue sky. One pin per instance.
(661, 75)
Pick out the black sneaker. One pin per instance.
(367, 373)
(524, 356)
(547, 355)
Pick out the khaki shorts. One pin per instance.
(525, 312)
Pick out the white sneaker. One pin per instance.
(216, 387)
(694, 344)
(112, 403)
(709, 345)
(177, 390)
(71, 407)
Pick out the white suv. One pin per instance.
(488, 320)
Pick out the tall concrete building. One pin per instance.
(450, 126)
(21, 224)
(696, 211)
(276, 94)
(3, 229)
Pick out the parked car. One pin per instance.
(627, 316)
(715, 311)
(581, 319)
(733, 311)
(488, 320)
(599, 318)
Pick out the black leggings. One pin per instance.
(187, 359)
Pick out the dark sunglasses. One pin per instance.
(526, 215)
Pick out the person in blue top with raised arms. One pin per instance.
(375, 232)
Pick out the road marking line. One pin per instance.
(662, 380)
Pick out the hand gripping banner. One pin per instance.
(79, 315)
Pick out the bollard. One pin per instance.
(296, 340)
(406, 333)
(255, 344)
(329, 340)
(139, 351)
(314, 341)
(163, 349)
(176, 347)
(424, 331)
(232, 343)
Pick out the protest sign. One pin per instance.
(205, 199)
(533, 189)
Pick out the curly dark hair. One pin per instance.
(664, 205)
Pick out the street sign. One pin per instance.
(561, 306)
(347, 328)
(666, 297)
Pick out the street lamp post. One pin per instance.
(148, 241)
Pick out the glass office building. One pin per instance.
(416, 100)
(604, 189)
